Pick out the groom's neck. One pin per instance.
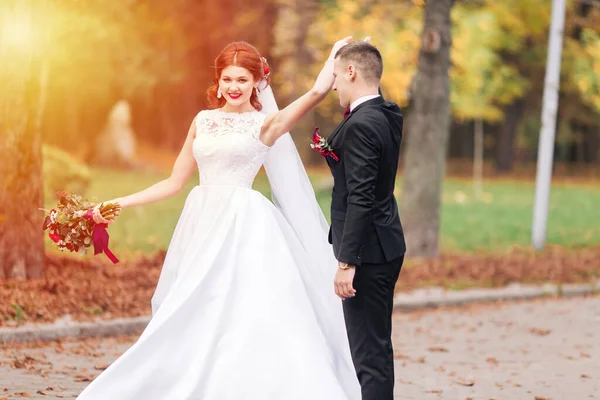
(362, 91)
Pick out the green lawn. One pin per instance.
(505, 220)
(502, 220)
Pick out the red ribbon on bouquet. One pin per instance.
(100, 238)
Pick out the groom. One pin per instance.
(365, 229)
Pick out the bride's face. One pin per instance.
(236, 85)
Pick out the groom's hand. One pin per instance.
(343, 281)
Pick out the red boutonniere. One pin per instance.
(320, 144)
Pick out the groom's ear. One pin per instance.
(351, 69)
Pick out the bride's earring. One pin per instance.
(219, 94)
(256, 90)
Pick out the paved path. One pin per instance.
(530, 350)
(546, 349)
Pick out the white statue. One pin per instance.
(116, 144)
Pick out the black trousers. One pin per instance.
(368, 318)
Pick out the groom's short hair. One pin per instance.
(365, 57)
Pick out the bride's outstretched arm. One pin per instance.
(182, 170)
(283, 121)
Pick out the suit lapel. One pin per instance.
(338, 129)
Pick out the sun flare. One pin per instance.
(17, 32)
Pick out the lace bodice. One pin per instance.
(227, 148)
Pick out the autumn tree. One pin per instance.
(21, 104)
(429, 124)
(49, 49)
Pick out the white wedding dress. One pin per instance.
(233, 316)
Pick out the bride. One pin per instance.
(244, 308)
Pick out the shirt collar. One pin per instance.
(361, 100)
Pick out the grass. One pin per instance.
(505, 218)
(501, 220)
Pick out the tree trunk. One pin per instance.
(478, 160)
(293, 56)
(21, 192)
(505, 146)
(427, 140)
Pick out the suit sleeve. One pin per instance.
(361, 153)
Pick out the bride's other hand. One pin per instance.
(97, 215)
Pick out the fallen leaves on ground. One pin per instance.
(555, 265)
(28, 356)
(83, 288)
(89, 288)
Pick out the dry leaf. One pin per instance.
(83, 378)
(440, 349)
(492, 360)
(540, 332)
(468, 381)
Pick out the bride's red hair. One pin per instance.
(240, 54)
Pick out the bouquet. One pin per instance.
(71, 225)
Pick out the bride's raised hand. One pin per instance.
(338, 45)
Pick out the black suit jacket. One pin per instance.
(365, 224)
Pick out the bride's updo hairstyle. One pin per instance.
(240, 54)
